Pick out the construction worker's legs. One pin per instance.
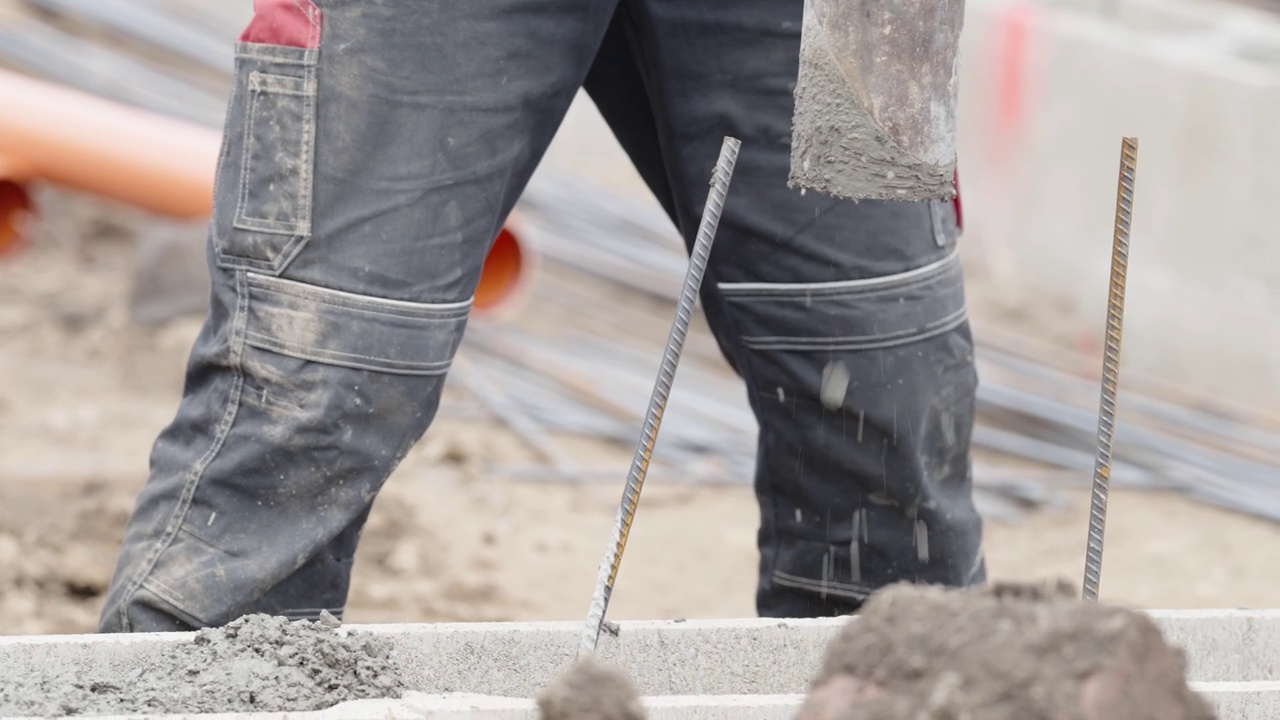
(846, 320)
(371, 152)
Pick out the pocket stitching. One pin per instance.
(804, 295)
(279, 294)
(865, 287)
(278, 54)
(372, 309)
(279, 84)
(943, 274)
(380, 306)
(250, 114)
(300, 227)
(223, 153)
(866, 342)
(849, 590)
(376, 364)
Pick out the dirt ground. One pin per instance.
(83, 393)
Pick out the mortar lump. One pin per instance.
(1003, 652)
(591, 690)
(255, 664)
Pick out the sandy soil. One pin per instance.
(83, 393)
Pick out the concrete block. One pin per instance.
(1232, 701)
(466, 706)
(1226, 645)
(1242, 701)
(708, 669)
(663, 658)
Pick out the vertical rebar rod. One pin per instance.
(1110, 367)
(698, 258)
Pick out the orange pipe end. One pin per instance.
(15, 207)
(502, 273)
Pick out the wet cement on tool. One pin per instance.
(1008, 652)
(254, 664)
(837, 148)
(591, 690)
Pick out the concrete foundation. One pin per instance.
(698, 669)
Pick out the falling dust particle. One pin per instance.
(828, 571)
(922, 541)
(855, 554)
(835, 384)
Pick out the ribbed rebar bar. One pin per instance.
(1110, 367)
(661, 391)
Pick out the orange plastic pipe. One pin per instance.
(80, 141)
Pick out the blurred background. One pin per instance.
(502, 511)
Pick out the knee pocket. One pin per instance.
(865, 398)
(349, 330)
(877, 374)
(335, 387)
(298, 338)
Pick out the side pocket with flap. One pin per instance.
(263, 199)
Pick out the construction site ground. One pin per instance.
(83, 393)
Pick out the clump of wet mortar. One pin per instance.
(591, 690)
(1005, 652)
(255, 664)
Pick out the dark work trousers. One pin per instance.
(372, 151)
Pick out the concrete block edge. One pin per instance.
(1233, 701)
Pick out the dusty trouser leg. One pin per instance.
(371, 152)
(846, 320)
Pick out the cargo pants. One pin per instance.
(372, 150)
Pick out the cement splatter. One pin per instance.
(922, 541)
(255, 664)
(835, 385)
(836, 146)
